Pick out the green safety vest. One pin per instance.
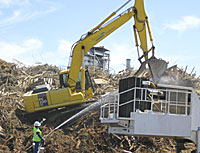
(36, 138)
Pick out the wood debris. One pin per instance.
(86, 135)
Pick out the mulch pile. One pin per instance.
(87, 134)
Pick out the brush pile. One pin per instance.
(87, 134)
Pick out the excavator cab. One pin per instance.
(87, 82)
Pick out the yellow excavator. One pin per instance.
(75, 83)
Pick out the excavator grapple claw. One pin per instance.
(156, 66)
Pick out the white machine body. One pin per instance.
(167, 111)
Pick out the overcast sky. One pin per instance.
(33, 31)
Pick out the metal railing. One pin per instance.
(168, 101)
(109, 105)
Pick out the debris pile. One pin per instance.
(17, 80)
(14, 82)
(178, 76)
(87, 134)
(105, 82)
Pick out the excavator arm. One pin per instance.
(156, 66)
(104, 29)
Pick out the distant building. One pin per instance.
(99, 57)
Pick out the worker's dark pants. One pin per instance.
(36, 148)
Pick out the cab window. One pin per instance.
(63, 79)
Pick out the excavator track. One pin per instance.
(53, 116)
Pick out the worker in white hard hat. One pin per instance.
(37, 136)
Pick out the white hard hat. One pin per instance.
(37, 123)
